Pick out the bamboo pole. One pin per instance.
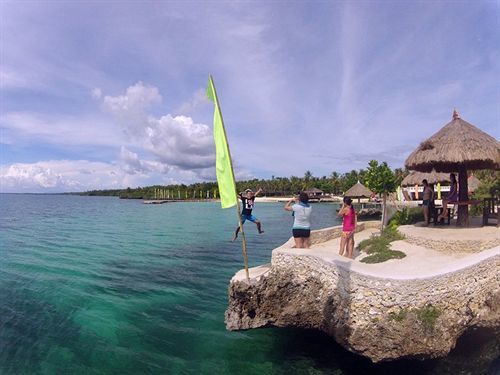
(240, 223)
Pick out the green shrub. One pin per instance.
(391, 234)
(364, 244)
(407, 215)
(374, 244)
(490, 187)
(400, 316)
(428, 316)
(379, 246)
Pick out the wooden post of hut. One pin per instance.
(463, 210)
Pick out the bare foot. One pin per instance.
(234, 238)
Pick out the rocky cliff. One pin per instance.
(382, 318)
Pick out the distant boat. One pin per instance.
(155, 201)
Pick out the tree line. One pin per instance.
(377, 177)
(336, 183)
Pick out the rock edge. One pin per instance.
(382, 319)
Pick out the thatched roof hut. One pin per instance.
(416, 178)
(314, 192)
(458, 144)
(457, 147)
(358, 190)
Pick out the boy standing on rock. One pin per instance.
(248, 201)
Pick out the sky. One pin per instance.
(111, 94)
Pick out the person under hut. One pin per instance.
(451, 198)
(427, 201)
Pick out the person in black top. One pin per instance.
(427, 197)
(248, 201)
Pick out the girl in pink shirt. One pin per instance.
(348, 228)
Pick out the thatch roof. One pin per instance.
(358, 190)
(457, 145)
(473, 182)
(416, 178)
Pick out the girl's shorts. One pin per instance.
(301, 233)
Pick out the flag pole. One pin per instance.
(240, 223)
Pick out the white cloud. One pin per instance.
(132, 164)
(10, 79)
(60, 130)
(180, 142)
(175, 141)
(61, 175)
(136, 101)
(198, 100)
(96, 93)
(83, 175)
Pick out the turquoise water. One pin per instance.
(98, 285)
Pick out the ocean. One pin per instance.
(99, 285)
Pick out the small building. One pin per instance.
(314, 192)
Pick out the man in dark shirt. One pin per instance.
(248, 201)
(427, 198)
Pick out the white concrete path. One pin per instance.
(419, 262)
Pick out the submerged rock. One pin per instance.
(382, 319)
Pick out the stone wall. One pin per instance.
(379, 318)
(327, 234)
(452, 246)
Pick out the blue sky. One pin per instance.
(110, 94)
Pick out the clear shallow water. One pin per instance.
(92, 285)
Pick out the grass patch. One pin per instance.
(379, 246)
(428, 316)
(392, 234)
(400, 316)
(375, 244)
(383, 256)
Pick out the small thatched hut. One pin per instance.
(457, 147)
(314, 192)
(358, 190)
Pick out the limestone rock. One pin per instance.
(378, 318)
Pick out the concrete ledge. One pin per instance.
(452, 240)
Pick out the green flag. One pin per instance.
(223, 164)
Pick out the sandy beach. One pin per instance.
(334, 199)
